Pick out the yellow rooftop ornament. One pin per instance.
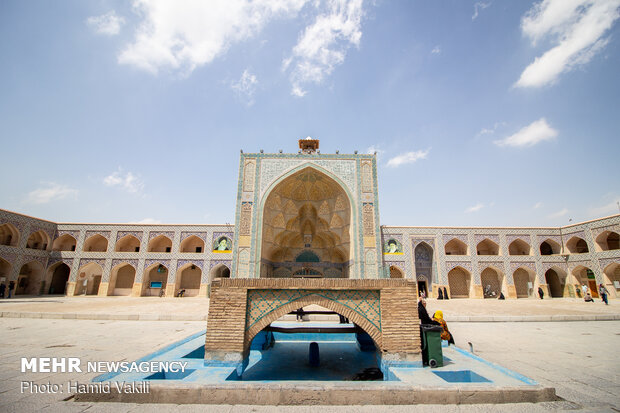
(309, 145)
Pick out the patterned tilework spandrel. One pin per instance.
(262, 302)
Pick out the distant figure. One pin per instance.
(423, 315)
(603, 292)
(445, 294)
(181, 293)
(584, 289)
(588, 297)
(541, 293)
(300, 314)
(11, 288)
(501, 296)
(445, 334)
(2, 289)
(439, 294)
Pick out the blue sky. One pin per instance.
(489, 113)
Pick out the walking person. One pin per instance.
(541, 293)
(603, 292)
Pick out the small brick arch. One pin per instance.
(341, 309)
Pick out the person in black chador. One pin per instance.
(2, 289)
(11, 288)
(541, 293)
(445, 294)
(439, 294)
(423, 315)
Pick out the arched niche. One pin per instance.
(556, 282)
(307, 211)
(122, 278)
(492, 281)
(154, 280)
(525, 282)
(58, 275)
(38, 240)
(577, 245)
(96, 243)
(5, 271)
(30, 279)
(487, 247)
(519, 247)
(396, 272)
(612, 279)
(549, 247)
(459, 281)
(585, 276)
(455, 247)
(128, 243)
(9, 235)
(65, 242)
(608, 240)
(193, 244)
(219, 271)
(188, 279)
(88, 279)
(160, 243)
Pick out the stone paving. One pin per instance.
(579, 359)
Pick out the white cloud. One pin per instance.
(475, 208)
(108, 24)
(245, 87)
(147, 221)
(185, 34)
(537, 205)
(323, 45)
(576, 27)
(50, 191)
(538, 131)
(559, 213)
(490, 131)
(128, 181)
(478, 7)
(375, 148)
(408, 157)
(436, 50)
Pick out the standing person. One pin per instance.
(423, 315)
(11, 288)
(541, 293)
(439, 294)
(2, 289)
(445, 294)
(603, 292)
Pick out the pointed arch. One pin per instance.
(611, 274)
(38, 240)
(459, 281)
(550, 247)
(396, 272)
(128, 243)
(608, 240)
(519, 247)
(455, 247)
(193, 244)
(9, 235)
(188, 278)
(310, 299)
(30, 280)
(556, 280)
(577, 245)
(487, 247)
(58, 274)
(65, 242)
(523, 277)
(96, 243)
(122, 278)
(492, 280)
(155, 273)
(5, 268)
(160, 243)
(88, 279)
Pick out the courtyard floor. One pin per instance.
(578, 358)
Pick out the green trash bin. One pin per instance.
(431, 345)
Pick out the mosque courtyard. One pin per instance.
(577, 358)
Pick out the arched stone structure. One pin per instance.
(608, 240)
(65, 242)
(122, 278)
(128, 243)
(396, 272)
(455, 247)
(423, 259)
(584, 275)
(219, 271)
(521, 277)
(160, 243)
(155, 273)
(555, 279)
(5, 271)
(38, 240)
(88, 279)
(459, 281)
(96, 243)
(193, 244)
(487, 247)
(58, 274)
(519, 247)
(492, 281)
(30, 280)
(577, 245)
(188, 279)
(9, 235)
(306, 212)
(550, 247)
